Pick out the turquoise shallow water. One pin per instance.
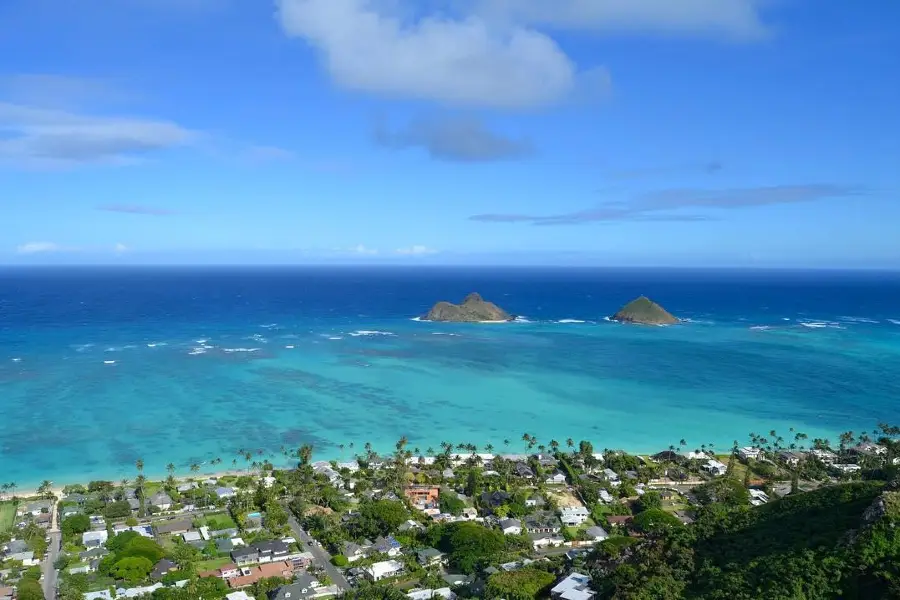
(207, 363)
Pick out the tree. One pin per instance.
(29, 589)
(75, 525)
(524, 584)
(470, 545)
(655, 521)
(132, 569)
(45, 490)
(650, 500)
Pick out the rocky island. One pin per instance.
(644, 311)
(472, 310)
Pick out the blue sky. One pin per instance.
(604, 132)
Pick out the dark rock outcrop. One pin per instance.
(644, 311)
(473, 309)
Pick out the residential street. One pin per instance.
(322, 557)
(48, 583)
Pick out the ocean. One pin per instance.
(102, 366)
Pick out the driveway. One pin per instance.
(322, 558)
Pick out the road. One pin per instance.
(322, 558)
(48, 570)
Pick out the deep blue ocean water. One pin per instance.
(100, 366)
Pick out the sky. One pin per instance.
(702, 133)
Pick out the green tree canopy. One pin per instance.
(132, 569)
(524, 584)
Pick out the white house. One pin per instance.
(848, 468)
(511, 526)
(444, 593)
(240, 595)
(557, 478)
(826, 456)
(380, 570)
(758, 497)
(94, 539)
(573, 516)
(574, 587)
(749, 453)
(715, 467)
(225, 492)
(695, 455)
(605, 496)
(544, 540)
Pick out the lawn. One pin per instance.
(7, 515)
(220, 521)
(213, 564)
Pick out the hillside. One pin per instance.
(644, 311)
(841, 541)
(472, 310)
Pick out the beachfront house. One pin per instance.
(36, 508)
(382, 570)
(573, 516)
(574, 587)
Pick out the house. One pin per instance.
(546, 460)
(304, 586)
(268, 481)
(93, 539)
(229, 571)
(223, 493)
(494, 499)
(790, 458)
(574, 587)
(511, 526)
(749, 453)
(596, 534)
(26, 557)
(36, 508)
(714, 467)
(95, 553)
(544, 540)
(276, 569)
(429, 557)
(758, 497)
(443, 592)
(826, 456)
(6, 593)
(174, 526)
(387, 545)
(542, 522)
(410, 525)
(381, 570)
(354, 551)
(192, 536)
(423, 496)
(868, 448)
(245, 556)
(611, 476)
(448, 474)
(68, 511)
(186, 487)
(161, 500)
(573, 516)
(133, 503)
(619, 520)
(535, 500)
(605, 496)
(162, 568)
(239, 595)
(14, 547)
(522, 470)
(556, 478)
(454, 579)
(847, 468)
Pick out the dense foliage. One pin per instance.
(524, 584)
(469, 545)
(819, 545)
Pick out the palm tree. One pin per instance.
(194, 467)
(489, 448)
(506, 443)
(139, 463)
(305, 454)
(570, 443)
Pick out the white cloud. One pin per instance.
(119, 248)
(416, 250)
(735, 20)
(465, 61)
(361, 249)
(491, 53)
(48, 137)
(38, 248)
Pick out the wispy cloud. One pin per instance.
(136, 210)
(363, 250)
(460, 139)
(38, 248)
(48, 137)
(663, 205)
(710, 167)
(416, 250)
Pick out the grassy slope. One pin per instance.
(7, 515)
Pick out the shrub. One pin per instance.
(339, 560)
